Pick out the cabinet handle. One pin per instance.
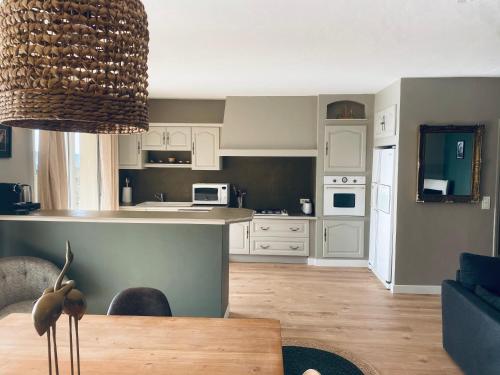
(168, 138)
(264, 247)
(383, 123)
(248, 233)
(193, 148)
(326, 148)
(325, 234)
(294, 229)
(264, 228)
(164, 139)
(294, 247)
(138, 147)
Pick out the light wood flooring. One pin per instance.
(348, 308)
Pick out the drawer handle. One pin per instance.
(264, 247)
(264, 228)
(294, 247)
(294, 229)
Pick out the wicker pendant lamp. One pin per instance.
(74, 66)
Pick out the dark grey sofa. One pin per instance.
(471, 326)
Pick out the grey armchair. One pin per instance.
(22, 281)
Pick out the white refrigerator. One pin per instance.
(382, 214)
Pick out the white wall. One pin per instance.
(19, 168)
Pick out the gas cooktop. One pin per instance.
(271, 212)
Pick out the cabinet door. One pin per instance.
(130, 153)
(178, 138)
(239, 238)
(345, 148)
(205, 152)
(343, 239)
(155, 139)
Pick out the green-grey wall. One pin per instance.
(269, 182)
(19, 168)
(189, 263)
(187, 110)
(431, 236)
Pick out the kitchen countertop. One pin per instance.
(175, 206)
(215, 216)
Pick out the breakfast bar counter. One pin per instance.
(183, 254)
(199, 216)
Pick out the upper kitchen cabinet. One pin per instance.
(130, 152)
(266, 126)
(178, 138)
(345, 148)
(205, 148)
(155, 139)
(167, 138)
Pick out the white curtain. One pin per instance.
(52, 171)
(108, 168)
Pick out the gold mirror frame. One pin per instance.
(474, 197)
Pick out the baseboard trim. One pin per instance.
(321, 262)
(417, 289)
(226, 314)
(267, 259)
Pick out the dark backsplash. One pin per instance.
(269, 182)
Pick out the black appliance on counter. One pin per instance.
(15, 199)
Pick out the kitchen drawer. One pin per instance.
(279, 246)
(280, 228)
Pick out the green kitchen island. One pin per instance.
(184, 254)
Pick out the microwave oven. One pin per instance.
(211, 194)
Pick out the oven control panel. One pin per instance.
(344, 180)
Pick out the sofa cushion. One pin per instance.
(480, 270)
(490, 298)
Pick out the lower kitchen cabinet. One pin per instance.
(343, 238)
(285, 237)
(239, 239)
(279, 246)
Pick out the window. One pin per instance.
(83, 169)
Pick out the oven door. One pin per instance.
(206, 195)
(345, 200)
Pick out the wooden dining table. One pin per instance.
(147, 345)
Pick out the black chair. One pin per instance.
(140, 302)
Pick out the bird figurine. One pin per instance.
(63, 297)
(75, 306)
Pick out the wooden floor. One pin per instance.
(348, 308)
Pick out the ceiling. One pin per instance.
(219, 48)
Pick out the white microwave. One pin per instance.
(211, 194)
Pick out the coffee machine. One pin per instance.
(16, 199)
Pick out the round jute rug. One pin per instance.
(300, 355)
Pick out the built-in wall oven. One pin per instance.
(211, 194)
(344, 196)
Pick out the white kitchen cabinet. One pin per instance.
(343, 238)
(155, 139)
(385, 123)
(239, 238)
(280, 228)
(178, 138)
(130, 152)
(279, 246)
(205, 149)
(345, 148)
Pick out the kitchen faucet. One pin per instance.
(162, 197)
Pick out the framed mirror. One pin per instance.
(449, 163)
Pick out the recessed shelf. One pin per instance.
(166, 165)
(345, 110)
